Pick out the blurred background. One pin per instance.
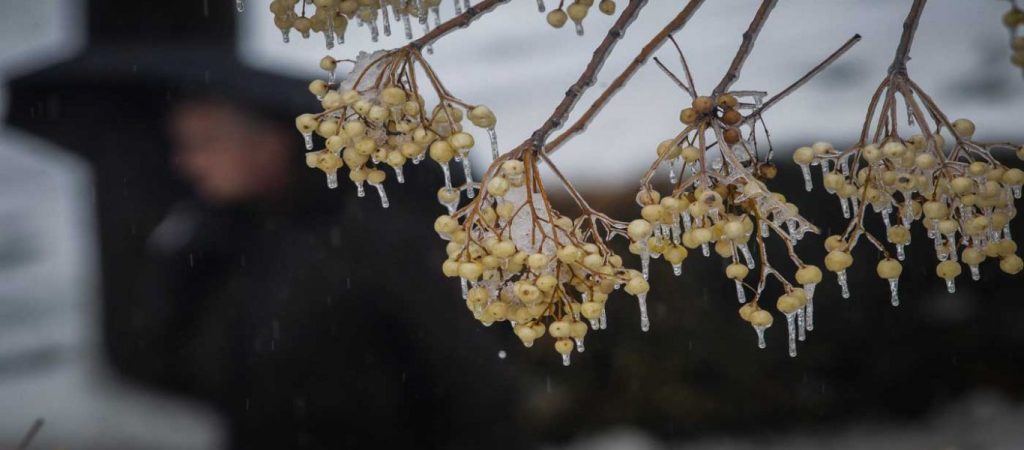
(96, 96)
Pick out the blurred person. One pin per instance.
(307, 317)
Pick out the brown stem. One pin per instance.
(460, 21)
(589, 74)
(749, 37)
(804, 79)
(581, 124)
(899, 63)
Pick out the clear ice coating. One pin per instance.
(745, 249)
(809, 290)
(760, 336)
(801, 325)
(843, 284)
(540, 5)
(494, 142)
(447, 175)
(645, 322)
(951, 285)
(383, 195)
(806, 170)
(791, 329)
(467, 169)
(975, 273)
(740, 294)
(332, 180)
(308, 140)
(894, 291)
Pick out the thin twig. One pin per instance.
(31, 435)
(749, 37)
(581, 124)
(899, 63)
(804, 79)
(589, 75)
(460, 21)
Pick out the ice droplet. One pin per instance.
(705, 249)
(426, 29)
(285, 36)
(801, 325)
(677, 269)
(383, 196)
(806, 170)
(894, 292)
(540, 5)
(502, 354)
(645, 322)
(307, 138)
(809, 290)
(975, 273)
(841, 276)
(240, 5)
(579, 345)
(332, 180)
(741, 295)
(760, 336)
(494, 142)
(565, 359)
(791, 329)
(951, 285)
(437, 16)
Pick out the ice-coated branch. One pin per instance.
(749, 37)
(460, 21)
(899, 63)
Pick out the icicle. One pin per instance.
(494, 142)
(951, 285)
(426, 29)
(408, 26)
(741, 295)
(565, 359)
(841, 276)
(332, 180)
(466, 3)
(809, 290)
(240, 5)
(329, 40)
(764, 229)
(603, 320)
(824, 168)
(746, 255)
(854, 204)
(687, 221)
(791, 329)
(308, 138)
(579, 345)
(383, 196)
(360, 191)
(458, 7)
(447, 175)
(285, 35)
(1016, 191)
(437, 16)
(645, 259)
(846, 207)
(672, 172)
(465, 287)
(676, 231)
(705, 249)
(885, 218)
(894, 294)
(385, 20)
(677, 269)
(467, 169)
(801, 325)
(975, 272)
(579, 28)
(900, 253)
(760, 336)
(1006, 232)
(331, 77)
(645, 322)
(808, 184)
(540, 5)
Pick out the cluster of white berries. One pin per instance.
(576, 11)
(522, 262)
(377, 118)
(1014, 21)
(719, 200)
(962, 196)
(332, 17)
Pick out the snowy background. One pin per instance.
(512, 61)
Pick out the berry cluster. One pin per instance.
(523, 262)
(1014, 21)
(377, 117)
(945, 180)
(719, 199)
(577, 11)
(332, 17)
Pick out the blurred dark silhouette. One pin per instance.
(310, 318)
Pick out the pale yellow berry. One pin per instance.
(577, 12)
(607, 7)
(537, 261)
(948, 270)
(964, 128)
(898, 234)
(690, 153)
(559, 329)
(675, 254)
(498, 186)
(789, 304)
(972, 256)
(803, 156)
(496, 312)
(327, 62)
(893, 149)
(1011, 264)
(889, 268)
(557, 18)
(808, 275)
(564, 346)
(838, 260)
(761, 318)
(441, 151)
(592, 310)
(471, 270)
(637, 286)
(639, 230)
(736, 271)
(569, 254)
